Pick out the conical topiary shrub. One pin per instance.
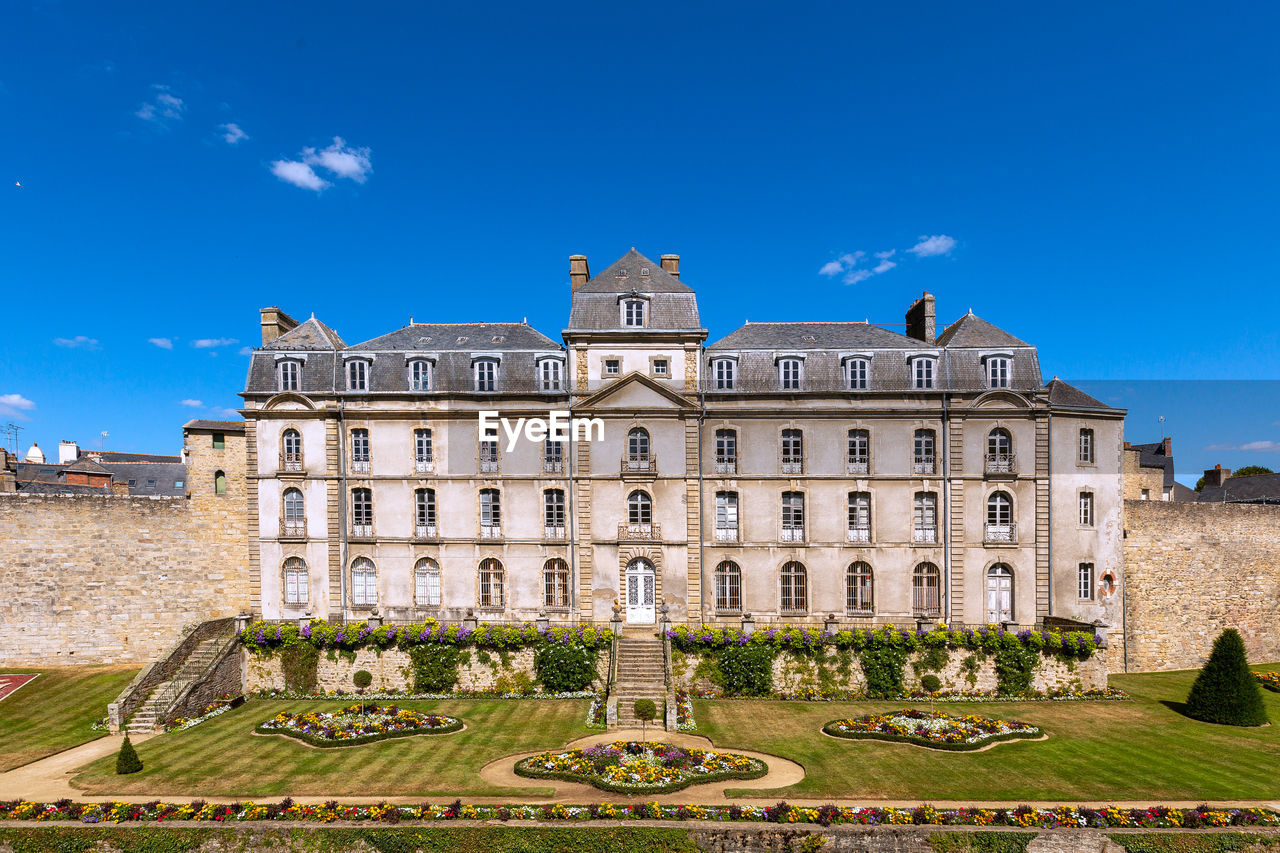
(1225, 691)
(127, 761)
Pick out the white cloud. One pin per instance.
(232, 134)
(78, 342)
(298, 174)
(195, 404)
(831, 268)
(928, 247)
(162, 108)
(209, 343)
(1249, 447)
(345, 162)
(14, 405)
(246, 350)
(885, 264)
(855, 276)
(847, 266)
(163, 343)
(226, 413)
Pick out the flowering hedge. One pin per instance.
(225, 702)
(823, 694)
(1154, 817)
(627, 767)
(264, 636)
(1076, 644)
(935, 731)
(357, 724)
(1269, 680)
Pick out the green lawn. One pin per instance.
(54, 712)
(1137, 750)
(222, 757)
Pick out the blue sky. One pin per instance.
(1099, 179)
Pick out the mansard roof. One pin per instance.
(311, 335)
(814, 336)
(468, 337)
(673, 306)
(1062, 395)
(973, 331)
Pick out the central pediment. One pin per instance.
(636, 391)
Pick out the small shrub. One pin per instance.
(362, 679)
(127, 761)
(645, 711)
(931, 683)
(565, 667)
(1225, 691)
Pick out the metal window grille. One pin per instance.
(925, 599)
(794, 589)
(859, 589)
(728, 582)
(491, 583)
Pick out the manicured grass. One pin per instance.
(223, 757)
(1139, 750)
(55, 711)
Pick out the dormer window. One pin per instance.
(549, 372)
(357, 375)
(790, 373)
(288, 376)
(923, 370)
(857, 373)
(419, 374)
(633, 313)
(998, 371)
(485, 374)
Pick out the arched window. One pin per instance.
(859, 589)
(555, 583)
(288, 375)
(291, 450)
(426, 582)
(419, 375)
(295, 516)
(357, 375)
(639, 510)
(795, 593)
(633, 312)
(724, 372)
(1000, 458)
(362, 512)
(295, 580)
(219, 483)
(491, 594)
(923, 368)
(364, 582)
(728, 587)
(999, 594)
(1000, 527)
(485, 374)
(549, 371)
(923, 461)
(360, 457)
(926, 598)
(424, 504)
(790, 373)
(998, 371)
(857, 373)
(638, 449)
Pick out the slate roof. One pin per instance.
(1183, 493)
(310, 335)
(1153, 456)
(216, 426)
(110, 456)
(825, 335)
(85, 465)
(166, 476)
(973, 331)
(672, 303)
(464, 337)
(1064, 396)
(1261, 488)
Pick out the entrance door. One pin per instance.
(640, 593)
(999, 595)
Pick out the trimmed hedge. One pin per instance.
(1225, 691)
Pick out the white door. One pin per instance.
(999, 596)
(640, 593)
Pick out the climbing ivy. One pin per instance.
(434, 668)
(299, 666)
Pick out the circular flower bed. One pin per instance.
(938, 731)
(628, 767)
(355, 724)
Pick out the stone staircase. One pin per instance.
(640, 675)
(154, 708)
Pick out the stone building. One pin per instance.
(1149, 473)
(788, 472)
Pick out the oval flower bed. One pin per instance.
(937, 731)
(350, 726)
(1269, 680)
(627, 767)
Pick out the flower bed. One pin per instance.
(1269, 680)
(350, 726)
(1154, 817)
(598, 713)
(218, 706)
(1077, 644)
(405, 695)
(936, 731)
(684, 712)
(817, 694)
(628, 767)
(350, 636)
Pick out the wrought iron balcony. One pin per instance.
(293, 529)
(925, 534)
(924, 465)
(361, 531)
(1000, 463)
(424, 465)
(491, 531)
(726, 464)
(792, 534)
(792, 467)
(553, 464)
(291, 462)
(727, 534)
(554, 533)
(1000, 534)
(859, 465)
(639, 462)
(425, 531)
(639, 532)
(859, 534)
(360, 466)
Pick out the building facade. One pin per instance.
(789, 472)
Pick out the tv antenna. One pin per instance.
(1161, 419)
(102, 439)
(11, 431)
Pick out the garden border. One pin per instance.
(625, 789)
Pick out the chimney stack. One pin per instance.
(68, 451)
(1216, 476)
(579, 272)
(921, 323)
(671, 264)
(1168, 446)
(275, 323)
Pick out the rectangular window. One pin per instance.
(792, 517)
(425, 512)
(177, 484)
(725, 372)
(726, 516)
(420, 375)
(926, 517)
(612, 367)
(659, 367)
(490, 514)
(549, 374)
(633, 312)
(1085, 591)
(357, 375)
(859, 451)
(427, 587)
(287, 376)
(486, 375)
(554, 513)
(857, 372)
(997, 372)
(423, 459)
(924, 460)
(219, 441)
(489, 451)
(362, 512)
(859, 517)
(295, 586)
(790, 373)
(553, 456)
(1086, 454)
(922, 372)
(726, 451)
(792, 451)
(1086, 509)
(360, 459)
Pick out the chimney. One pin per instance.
(275, 323)
(920, 319)
(671, 264)
(579, 272)
(1216, 476)
(1168, 446)
(68, 451)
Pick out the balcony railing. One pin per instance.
(639, 532)
(424, 465)
(554, 533)
(291, 462)
(553, 464)
(924, 465)
(1000, 463)
(925, 534)
(792, 467)
(293, 529)
(859, 534)
(859, 465)
(362, 531)
(491, 531)
(425, 531)
(726, 464)
(639, 462)
(792, 534)
(359, 466)
(1000, 534)
(727, 534)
